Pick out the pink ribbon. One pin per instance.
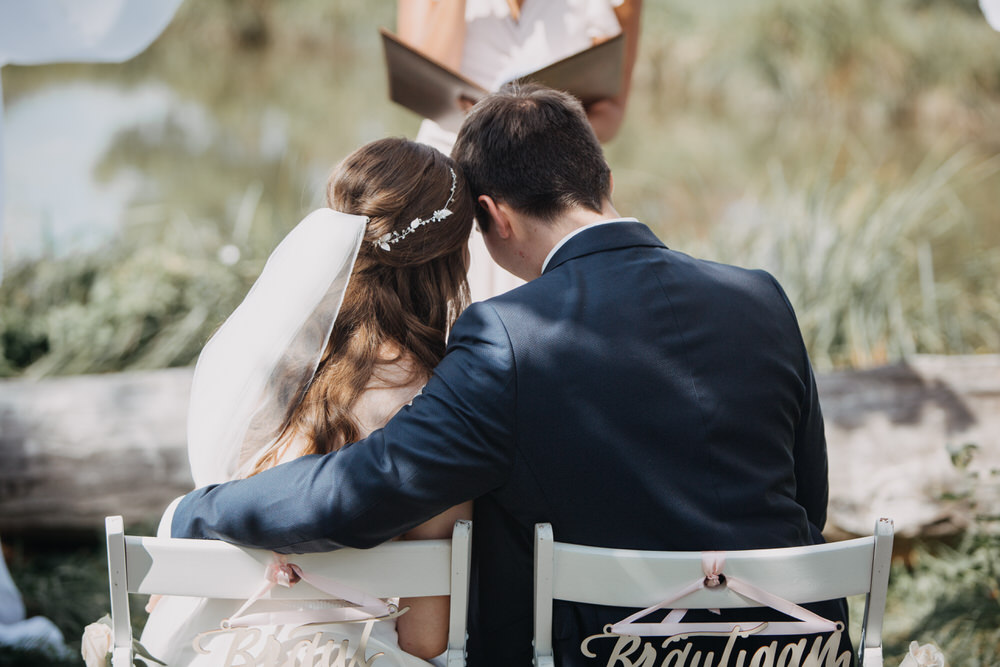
(282, 573)
(712, 563)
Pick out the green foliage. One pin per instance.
(951, 594)
(130, 305)
(951, 597)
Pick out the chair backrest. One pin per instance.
(642, 579)
(154, 565)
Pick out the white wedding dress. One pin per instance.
(261, 358)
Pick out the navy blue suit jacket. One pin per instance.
(632, 396)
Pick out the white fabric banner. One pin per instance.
(35, 32)
(991, 10)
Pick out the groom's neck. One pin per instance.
(578, 217)
(546, 235)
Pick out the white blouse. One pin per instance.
(498, 48)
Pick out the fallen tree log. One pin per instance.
(73, 450)
(76, 449)
(891, 433)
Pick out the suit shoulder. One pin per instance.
(480, 322)
(724, 273)
(758, 285)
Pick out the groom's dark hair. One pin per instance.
(532, 148)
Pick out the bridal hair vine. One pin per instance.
(389, 239)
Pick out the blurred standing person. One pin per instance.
(18, 631)
(493, 41)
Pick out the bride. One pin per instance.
(341, 330)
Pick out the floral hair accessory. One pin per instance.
(389, 239)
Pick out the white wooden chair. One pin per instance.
(644, 579)
(152, 565)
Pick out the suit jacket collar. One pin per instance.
(604, 237)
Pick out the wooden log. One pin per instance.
(73, 450)
(76, 449)
(890, 432)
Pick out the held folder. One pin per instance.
(435, 91)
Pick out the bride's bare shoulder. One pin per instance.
(394, 382)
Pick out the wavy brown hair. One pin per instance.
(399, 302)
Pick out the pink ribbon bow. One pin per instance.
(282, 573)
(712, 564)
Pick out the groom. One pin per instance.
(631, 395)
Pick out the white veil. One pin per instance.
(261, 360)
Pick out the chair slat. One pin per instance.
(628, 578)
(219, 570)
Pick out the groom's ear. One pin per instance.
(499, 215)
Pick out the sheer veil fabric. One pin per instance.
(257, 366)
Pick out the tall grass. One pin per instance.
(877, 267)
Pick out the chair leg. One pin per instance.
(455, 657)
(544, 661)
(122, 657)
(872, 657)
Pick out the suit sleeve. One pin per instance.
(452, 444)
(812, 479)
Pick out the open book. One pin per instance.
(438, 92)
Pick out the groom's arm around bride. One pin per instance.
(628, 394)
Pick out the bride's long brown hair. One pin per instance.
(399, 302)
